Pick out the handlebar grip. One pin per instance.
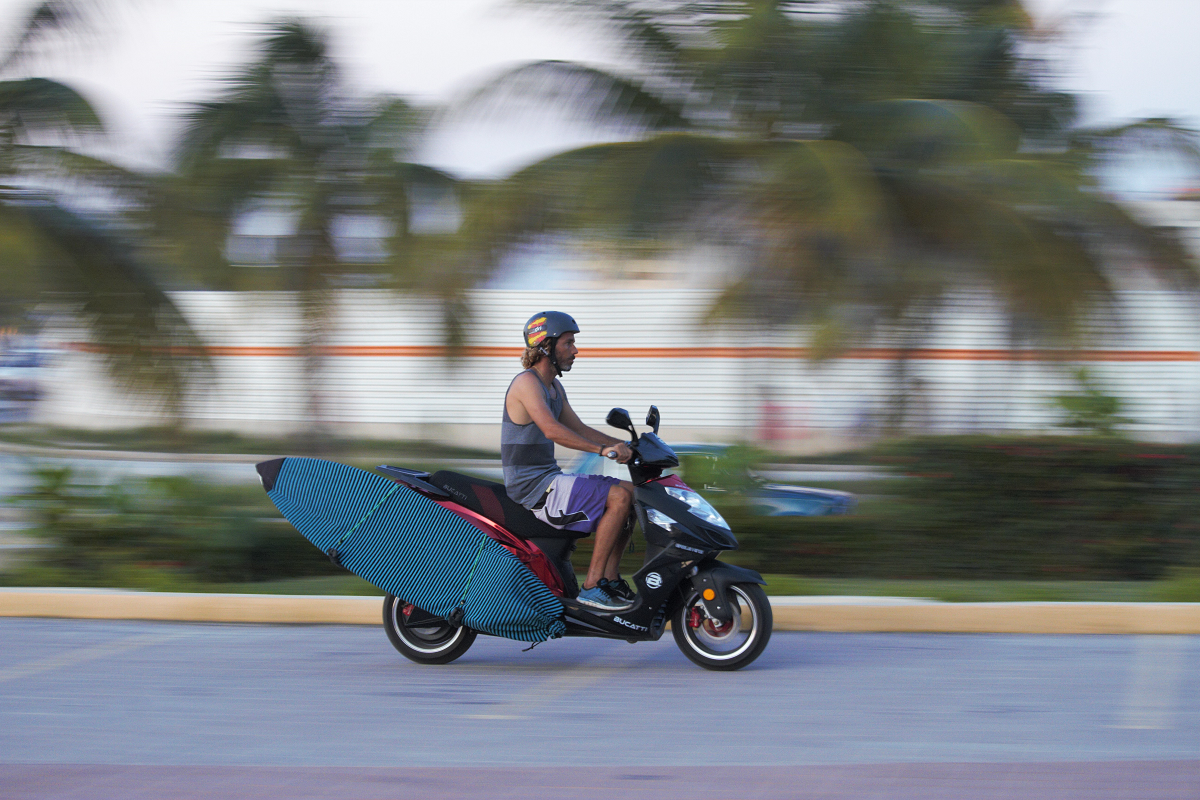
(611, 454)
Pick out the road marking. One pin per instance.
(1154, 683)
(523, 705)
(84, 654)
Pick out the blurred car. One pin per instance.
(19, 388)
(768, 499)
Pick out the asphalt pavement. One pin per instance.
(140, 709)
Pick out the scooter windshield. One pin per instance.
(654, 452)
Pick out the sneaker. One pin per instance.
(619, 589)
(596, 597)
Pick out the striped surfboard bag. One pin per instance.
(414, 549)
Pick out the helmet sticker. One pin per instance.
(548, 325)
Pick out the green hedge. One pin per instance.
(961, 507)
(158, 533)
(979, 507)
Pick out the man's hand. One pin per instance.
(624, 454)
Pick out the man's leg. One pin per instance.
(609, 533)
(612, 569)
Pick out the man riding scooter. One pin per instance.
(460, 556)
(537, 416)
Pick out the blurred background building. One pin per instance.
(387, 372)
(802, 224)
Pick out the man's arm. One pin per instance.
(528, 393)
(572, 421)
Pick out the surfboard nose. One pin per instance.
(269, 471)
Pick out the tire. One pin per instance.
(743, 641)
(434, 642)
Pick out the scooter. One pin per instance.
(719, 614)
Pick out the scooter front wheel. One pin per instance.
(731, 645)
(426, 640)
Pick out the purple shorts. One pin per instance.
(575, 502)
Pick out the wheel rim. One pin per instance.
(430, 639)
(723, 642)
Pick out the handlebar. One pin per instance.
(612, 454)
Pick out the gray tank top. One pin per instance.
(527, 455)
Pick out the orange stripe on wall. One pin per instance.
(890, 354)
(869, 353)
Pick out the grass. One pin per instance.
(331, 584)
(1181, 587)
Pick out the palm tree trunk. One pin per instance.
(314, 298)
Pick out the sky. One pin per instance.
(1129, 58)
(1126, 59)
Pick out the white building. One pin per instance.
(386, 374)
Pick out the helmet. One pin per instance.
(542, 331)
(548, 325)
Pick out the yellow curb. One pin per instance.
(791, 614)
(312, 609)
(1122, 618)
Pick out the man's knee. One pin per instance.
(620, 499)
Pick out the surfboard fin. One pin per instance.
(269, 471)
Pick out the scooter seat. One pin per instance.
(490, 500)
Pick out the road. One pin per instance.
(94, 709)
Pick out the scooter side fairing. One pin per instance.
(656, 602)
(583, 624)
(411, 547)
(636, 624)
(527, 552)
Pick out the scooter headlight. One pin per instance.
(698, 506)
(660, 519)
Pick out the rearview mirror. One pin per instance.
(652, 418)
(619, 418)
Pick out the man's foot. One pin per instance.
(596, 597)
(619, 589)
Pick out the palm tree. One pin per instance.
(285, 139)
(54, 253)
(866, 158)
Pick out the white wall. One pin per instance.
(384, 377)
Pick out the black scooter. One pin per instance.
(719, 613)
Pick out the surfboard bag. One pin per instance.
(412, 548)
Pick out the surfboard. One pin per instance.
(411, 547)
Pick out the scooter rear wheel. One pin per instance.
(425, 642)
(732, 645)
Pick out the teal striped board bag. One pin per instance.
(413, 548)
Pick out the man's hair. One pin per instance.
(531, 356)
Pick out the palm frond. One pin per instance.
(918, 132)
(628, 190)
(37, 105)
(64, 164)
(393, 124)
(146, 343)
(594, 94)
(650, 32)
